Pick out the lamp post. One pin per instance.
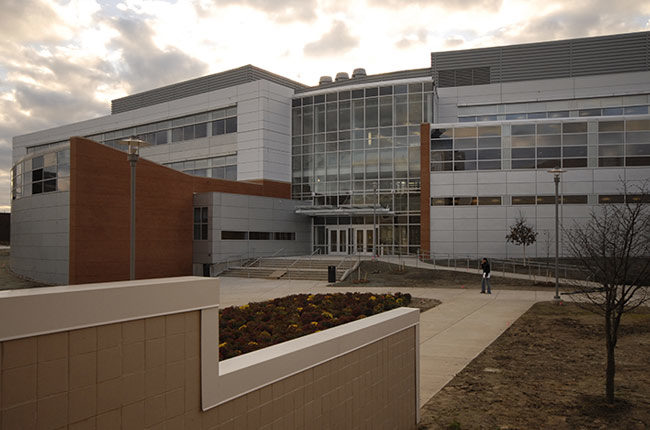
(556, 178)
(374, 220)
(133, 153)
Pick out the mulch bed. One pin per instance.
(547, 371)
(254, 326)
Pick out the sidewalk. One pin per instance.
(451, 335)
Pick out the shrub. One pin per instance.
(254, 326)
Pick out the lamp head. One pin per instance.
(556, 171)
(134, 144)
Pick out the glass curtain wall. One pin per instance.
(362, 147)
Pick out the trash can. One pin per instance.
(331, 274)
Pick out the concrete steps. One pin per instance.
(301, 269)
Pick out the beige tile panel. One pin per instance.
(146, 374)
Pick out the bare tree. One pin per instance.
(521, 233)
(613, 247)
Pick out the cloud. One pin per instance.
(144, 65)
(278, 10)
(453, 42)
(580, 19)
(43, 22)
(336, 41)
(412, 39)
(491, 5)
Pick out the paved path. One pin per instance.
(451, 335)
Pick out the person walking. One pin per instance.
(485, 265)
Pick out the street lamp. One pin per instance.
(556, 178)
(374, 220)
(133, 153)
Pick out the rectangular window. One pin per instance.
(574, 200)
(259, 235)
(545, 200)
(465, 201)
(201, 223)
(489, 201)
(611, 198)
(284, 236)
(523, 200)
(234, 235)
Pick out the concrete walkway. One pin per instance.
(451, 335)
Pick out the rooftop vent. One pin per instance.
(359, 73)
(342, 76)
(325, 80)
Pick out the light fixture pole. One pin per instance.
(556, 178)
(374, 221)
(133, 153)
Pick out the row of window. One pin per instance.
(42, 174)
(367, 220)
(216, 122)
(539, 200)
(541, 145)
(637, 109)
(257, 235)
(386, 90)
(222, 167)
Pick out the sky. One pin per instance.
(64, 61)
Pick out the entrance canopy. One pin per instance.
(351, 210)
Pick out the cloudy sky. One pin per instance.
(63, 61)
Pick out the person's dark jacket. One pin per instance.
(485, 265)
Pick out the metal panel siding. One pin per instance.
(621, 53)
(200, 85)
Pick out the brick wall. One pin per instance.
(146, 374)
(100, 214)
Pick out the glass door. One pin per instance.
(364, 237)
(337, 241)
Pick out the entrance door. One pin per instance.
(337, 241)
(364, 237)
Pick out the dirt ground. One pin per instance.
(8, 279)
(547, 371)
(382, 274)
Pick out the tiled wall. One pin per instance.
(146, 374)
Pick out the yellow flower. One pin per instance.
(244, 307)
(293, 325)
(310, 297)
(327, 314)
(252, 343)
(314, 323)
(221, 345)
(243, 326)
(299, 309)
(373, 298)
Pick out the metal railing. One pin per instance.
(530, 268)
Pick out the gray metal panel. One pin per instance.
(382, 77)
(620, 53)
(200, 85)
(625, 53)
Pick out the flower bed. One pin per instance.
(254, 326)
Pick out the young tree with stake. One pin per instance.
(521, 233)
(613, 247)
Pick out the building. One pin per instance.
(439, 160)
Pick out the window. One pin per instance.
(442, 201)
(234, 235)
(523, 200)
(201, 223)
(488, 201)
(611, 198)
(259, 235)
(284, 236)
